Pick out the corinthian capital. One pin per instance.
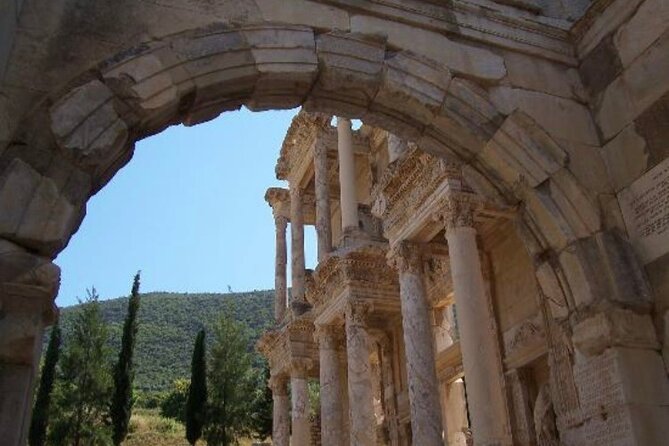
(458, 210)
(300, 367)
(406, 257)
(356, 313)
(278, 384)
(329, 337)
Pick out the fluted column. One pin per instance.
(348, 200)
(360, 393)
(478, 339)
(299, 396)
(332, 415)
(297, 243)
(426, 422)
(280, 411)
(280, 285)
(323, 226)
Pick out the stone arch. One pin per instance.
(192, 77)
(74, 142)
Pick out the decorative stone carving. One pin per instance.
(524, 342)
(406, 257)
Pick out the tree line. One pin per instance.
(84, 400)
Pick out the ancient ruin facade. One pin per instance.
(494, 251)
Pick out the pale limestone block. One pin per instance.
(573, 264)
(285, 58)
(521, 149)
(411, 92)
(533, 73)
(159, 88)
(625, 157)
(617, 327)
(646, 77)
(543, 210)
(221, 67)
(630, 387)
(461, 58)
(34, 210)
(615, 109)
(86, 124)
(560, 117)
(612, 217)
(608, 21)
(645, 208)
(574, 204)
(640, 85)
(351, 68)
(647, 24)
(587, 165)
(304, 13)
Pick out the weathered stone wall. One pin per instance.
(625, 55)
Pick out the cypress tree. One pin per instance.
(197, 393)
(124, 373)
(40, 419)
(80, 410)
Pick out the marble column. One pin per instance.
(478, 340)
(280, 285)
(297, 244)
(456, 412)
(332, 414)
(280, 411)
(28, 286)
(390, 403)
(348, 200)
(299, 397)
(426, 422)
(362, 423)
(323, 225)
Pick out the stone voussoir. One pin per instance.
(351, 67)
(412, 92)
(88, 128)
(35, 212)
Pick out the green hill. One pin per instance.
(168, 323)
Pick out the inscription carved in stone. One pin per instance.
(645, 208)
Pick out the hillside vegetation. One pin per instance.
(168, 324)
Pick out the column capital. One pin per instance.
(300, 367)
(357, 312)
(278, 384)
(458, 210)
(280, 222)
(406, 256)
(329, 337)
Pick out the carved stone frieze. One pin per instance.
(301, 135)
(364, 268)
(524, 342)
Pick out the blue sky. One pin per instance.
(188, 211)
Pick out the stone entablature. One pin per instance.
(279, 200)
(291, 345)
(307, 130)
(361, 274)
